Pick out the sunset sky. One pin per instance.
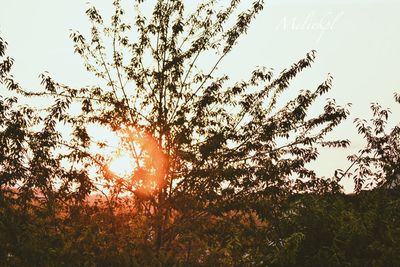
(357, 41)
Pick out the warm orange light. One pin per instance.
(136, 158)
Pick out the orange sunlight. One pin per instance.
(131, 155)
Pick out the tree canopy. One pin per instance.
(218, 165)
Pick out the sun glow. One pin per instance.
(131, 156)
(122, 164)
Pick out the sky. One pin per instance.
(357, 42)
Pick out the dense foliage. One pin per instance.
(344, 230)
(220, 172)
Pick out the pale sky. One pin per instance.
(357, 41)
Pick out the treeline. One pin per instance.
(311, 230)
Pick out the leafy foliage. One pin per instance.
(378, 162)
(344, 230)
(227, 146)
(220, 177)
(33, 181)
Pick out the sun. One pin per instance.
(122, 164)
(134, 156)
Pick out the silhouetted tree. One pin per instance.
(214, 162)
(378, 163)
(33, 182)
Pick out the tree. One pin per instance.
(377, 164)
(211, 158)
(34, 184)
